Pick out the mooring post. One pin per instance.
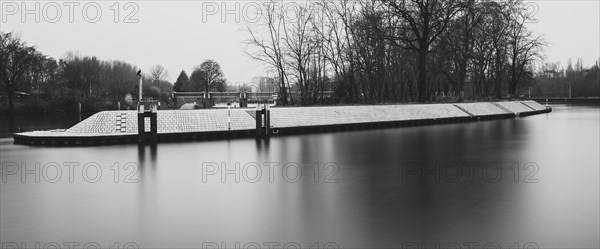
(140, 87)
(228, 117)
(243, 100)
(259, 118)
(154, 125)
(144, 136)
(267, 121)
(141, 128)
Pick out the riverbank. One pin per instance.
(555, 100)
(110, 127)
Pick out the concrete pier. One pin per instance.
(111, 127)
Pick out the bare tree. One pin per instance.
(457, 45)
(207, 75)
(337, 34)
(300, 45)
(158, 73)
(16, 58)
(270, 50)
(525, 47)
(422, 23)
(368, 48)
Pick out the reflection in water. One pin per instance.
(262, 144)
(454, 183)
(153, 148)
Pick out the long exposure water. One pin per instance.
(531, 181)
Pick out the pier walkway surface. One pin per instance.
(122, 126)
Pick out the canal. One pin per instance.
(531, 181)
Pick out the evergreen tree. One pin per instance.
(182, 83)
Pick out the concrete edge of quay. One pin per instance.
(45, 138)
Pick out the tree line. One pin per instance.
(397, 50)
(365, 51)
(207, 77)
(25, 71)
(554, 80)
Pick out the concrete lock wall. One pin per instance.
(124, 123)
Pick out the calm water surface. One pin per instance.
(527, 181)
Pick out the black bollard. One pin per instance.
(267, 122)
(154, 126)
(144, 136)
(263, 123)
(259, 118)
(141, 128)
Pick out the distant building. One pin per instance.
(263, 84)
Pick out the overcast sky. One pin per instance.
(181, 34)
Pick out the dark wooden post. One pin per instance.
(143, 113)
(154, 126)
(267, 122)
(141, 128)
(243, 99)
(259, 117)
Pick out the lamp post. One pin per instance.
(139, 75)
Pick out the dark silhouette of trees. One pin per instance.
(207, 77)
(158, 73)
(87, 77)
(182, 83)
(524, 48)
(420, 24)
(398, 50)
(41, 80)
(553, 80)
(270, 49)
(18, 59)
